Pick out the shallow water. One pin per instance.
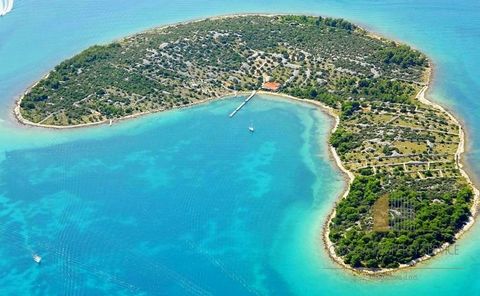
(189, 202)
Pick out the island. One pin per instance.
(407, 196)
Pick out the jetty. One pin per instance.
(243, 103)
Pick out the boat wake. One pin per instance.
(5, 6)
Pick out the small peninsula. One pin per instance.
(408, 196)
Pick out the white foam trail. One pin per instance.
(5, 6)
(10, 6)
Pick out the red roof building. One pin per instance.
(271, 86)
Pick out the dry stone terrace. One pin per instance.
(406, 153)
(175, 66)
(395, 138)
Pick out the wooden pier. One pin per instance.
(243, 103)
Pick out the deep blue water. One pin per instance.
(189, 202)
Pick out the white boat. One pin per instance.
(251, 128)
(110, 123)
(37, 258)
(5, 6)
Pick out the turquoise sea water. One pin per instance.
(189, 202)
